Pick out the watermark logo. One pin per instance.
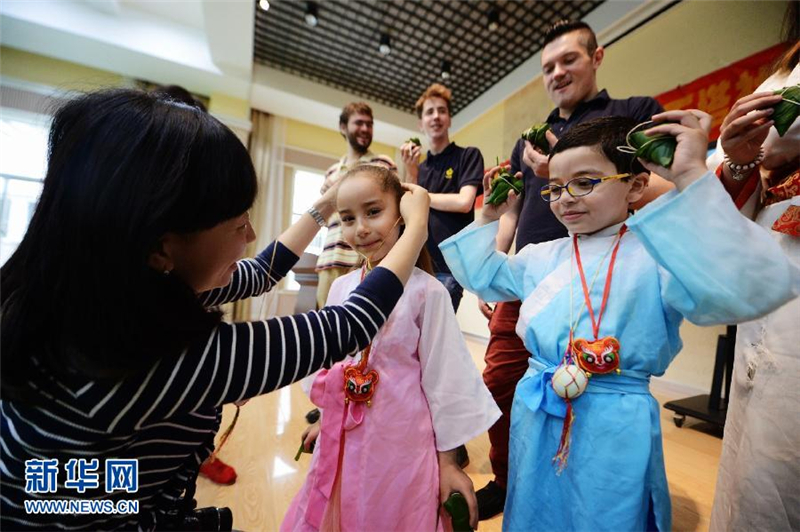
(122, 475)
(41, 476)
(82, 474)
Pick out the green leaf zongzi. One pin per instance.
(787, 110)
(658, 149)
(502, 185)
(537, 135)
(456, 506)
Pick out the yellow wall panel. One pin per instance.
(325, 141)
(56, 73)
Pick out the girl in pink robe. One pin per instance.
(376, 468)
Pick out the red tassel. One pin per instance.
(225, 435)
(562, 454)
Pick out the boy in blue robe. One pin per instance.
(688, 254)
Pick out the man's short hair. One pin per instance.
(437, 90)
(563, 27)
(353, 108)
(603, 135)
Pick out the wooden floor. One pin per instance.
(267, 436)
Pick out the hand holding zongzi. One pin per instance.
(501, 192)
(456, 506)
(308, 440)
(410, 152)
(787, 109)
(690, 132)
(502, 185)
(537, 135)
(539, 141)
(747, 125)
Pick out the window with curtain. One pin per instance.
(305, 190)
(23, 141)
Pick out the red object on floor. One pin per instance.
(218, 471)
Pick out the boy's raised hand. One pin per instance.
(690, 128)
(491, 213)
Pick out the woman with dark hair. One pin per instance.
(111, 343)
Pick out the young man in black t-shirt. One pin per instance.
(452, 175)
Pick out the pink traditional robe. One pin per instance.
(430, 398)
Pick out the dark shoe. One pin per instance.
(312, 416)
(491, 500)
(462, 458)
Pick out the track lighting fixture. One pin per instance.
(446, 69)
(385, 47)
(312, 14)
(494, 19)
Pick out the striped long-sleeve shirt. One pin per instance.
(167, 417)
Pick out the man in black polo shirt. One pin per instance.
(452, 175)
(570, 59)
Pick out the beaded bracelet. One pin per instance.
(741, 171)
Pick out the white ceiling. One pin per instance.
(184, 12)
(207, 46)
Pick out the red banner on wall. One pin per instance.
(715, 93)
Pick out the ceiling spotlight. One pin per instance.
(446, 69)
(312, 14)
(263, 4)
(385, 47)
(494, 19)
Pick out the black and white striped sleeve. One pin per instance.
(253, 276)
(243, 360)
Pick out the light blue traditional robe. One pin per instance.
(688, 254)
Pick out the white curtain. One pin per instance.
(266, 150)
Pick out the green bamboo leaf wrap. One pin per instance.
(501, 186)
(456, 506)
(536, 135)
(786, 110)
(659, 149)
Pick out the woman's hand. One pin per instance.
(491, 213)
(690, 128)
(451, 479)
(326, 204)
(310, 436)
(330, 180)
(746, 126)
(301, 233)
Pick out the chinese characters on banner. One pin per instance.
(716, 92)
